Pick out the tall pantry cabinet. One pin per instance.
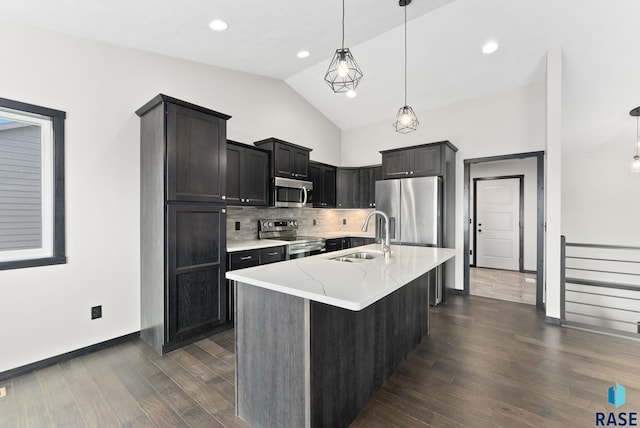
(182, 221)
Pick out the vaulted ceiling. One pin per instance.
(445, 62)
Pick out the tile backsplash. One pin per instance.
(327, 220)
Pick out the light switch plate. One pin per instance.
(3, 392)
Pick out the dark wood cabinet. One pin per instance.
(417, 161)
(196, 154)
(355, 187)
(183, 160)
(245, 259)
(196, 252)
(247, 175)
(360, 241)
(333, 244)
(368, 177)
(348, 188)
(323, 177)
(287, 159)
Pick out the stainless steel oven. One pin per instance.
(289, 193)
(287, 230)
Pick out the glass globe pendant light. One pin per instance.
(343, 74)
(406, 119)
(635, 165)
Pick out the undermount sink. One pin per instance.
(359, 256)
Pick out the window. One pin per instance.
(31, 185)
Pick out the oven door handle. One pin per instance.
(304, 192)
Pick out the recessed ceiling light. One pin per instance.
(490, 47)
(218, 25)
(351, 94)
(303, 54)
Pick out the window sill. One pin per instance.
(19, 264)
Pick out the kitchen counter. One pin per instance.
(254, 244)
(352, 286)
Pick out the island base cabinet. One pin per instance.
(304, 363)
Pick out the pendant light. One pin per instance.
(343, 74)
(406, 120)
(635, 165)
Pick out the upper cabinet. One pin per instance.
(247, 175)
(323, 177)
(287, 160)
(417, 161)
(196, 154)
(368, 177)
(356, 186)
(348, 188)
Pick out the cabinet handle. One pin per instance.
(224, 197)
(246, 258)
(406, 173)
(275, 253)
(247, 200)
(411, 172)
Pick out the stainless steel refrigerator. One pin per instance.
(414, 207)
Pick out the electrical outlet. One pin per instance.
(344, 221)
(3, 392)
(314, 221)
(237, 225)
(96, 312)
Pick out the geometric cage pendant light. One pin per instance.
(406, 120)
(635, 165)
(343, 74)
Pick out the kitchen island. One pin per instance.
(317, 337)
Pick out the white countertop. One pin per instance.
(351, 286)
(331, 235)
(253, 244)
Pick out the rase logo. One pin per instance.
(616, 397)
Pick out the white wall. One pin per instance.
(601, 198)
(499, 124)
(528, 168)
(45, 311)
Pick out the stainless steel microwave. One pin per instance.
(288, 193)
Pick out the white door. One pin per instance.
(498, 223)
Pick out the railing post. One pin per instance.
(563, 249)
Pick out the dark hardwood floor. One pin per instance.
(487, 363)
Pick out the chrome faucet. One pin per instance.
(386, 248)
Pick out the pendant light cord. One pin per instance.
(405, 55)
(343, 25)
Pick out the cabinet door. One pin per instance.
(333, 244)
(396, 164)
(367, 190)
(300, 167)
(244, 259)
(347, 188)
(272, 255)
(376, 173)
(196, 298)
(283, 160)
(427, 161)
(316, 175)
(196, 155)
(255, 178)
(234, 174)
(329, 178)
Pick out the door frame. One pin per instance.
(520, 178)
(539, 217)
